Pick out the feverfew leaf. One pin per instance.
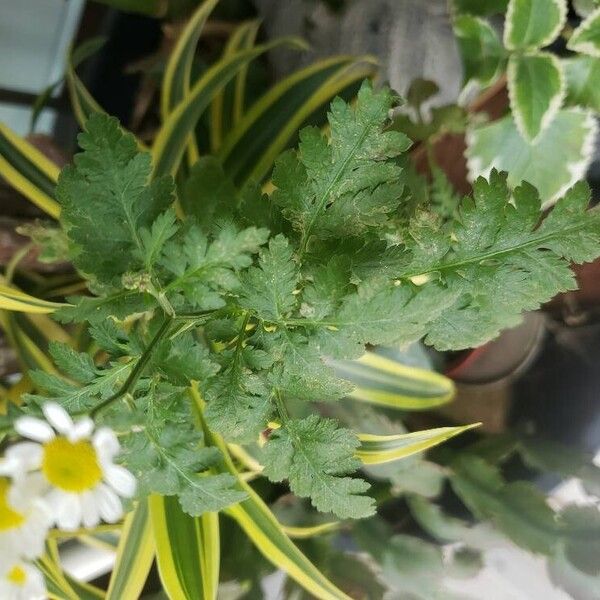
(238, 400)
(533, 23)
(167, 457)
(349, 184)
(184, 360)
(154, 238)
(119, 305)
(536, 90)
(586, 38)
(268, 290)
(208, 192)
(107, 198)
(78, 365)
(314, 454)
(170, 462)
(482, 270)
(76, 398)
(205, 267)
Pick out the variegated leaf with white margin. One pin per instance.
(586, 38)
(533, 23)
(480, 48)
(536, 90)
(559, 157)
(584, 8)
(582, 76)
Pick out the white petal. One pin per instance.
(58, 417)
(120, 479)
(27, 491)
(34, 588)
(106, 443)
(32, 539)
(34, 429)
(89, 511)
(108, 503)
(24, 457)
(68, 515)
(82, 429)
(10, 467)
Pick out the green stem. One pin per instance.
(138, 370)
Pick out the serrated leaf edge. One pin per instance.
(508, 26)
(555, 103)
(585, 47)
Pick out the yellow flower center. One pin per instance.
(9, 517)
(71, 466)
(17, 576)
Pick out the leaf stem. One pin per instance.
(138, 370)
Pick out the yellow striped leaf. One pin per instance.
(26, 169)
(378, 449)
(242, 38)
(82, 102)
(271, 123)
(177, 77)
(135, 554)
(15, 300)
(56, 582)
(386, 381)
(178, 128)
(303, 533)
(265, 531)
(187, 550)
(29, 351)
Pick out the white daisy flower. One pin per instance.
(21, 581)
(74, 464)
(24, 522)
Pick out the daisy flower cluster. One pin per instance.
(63, 475)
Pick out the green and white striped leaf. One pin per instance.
(536, 89)
(242, 38)
(176, 131)
(28, 348)
(177, 77)
(582, 75)
(135, 554)
(586, 38)
(379, 449)
(533, 23)
(15, 300)
(499, 145)
(304, 533)
(82, 102)
(387, 381)
(481, 51)
(26, 169)
(272, 122)
(187, 550)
